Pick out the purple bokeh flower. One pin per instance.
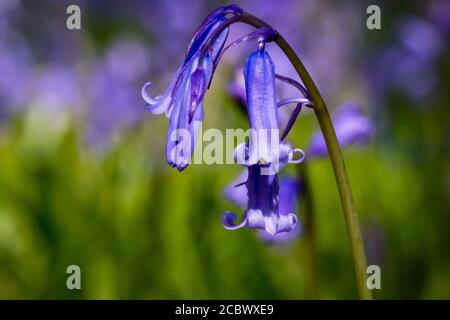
(16, 68)
(160, 18)
(56, 87)
(16, 63)
(375, 242)
(352, 128)
(439, 14)
(113, 82)
(410, 60)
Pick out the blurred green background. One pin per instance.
(73, 192)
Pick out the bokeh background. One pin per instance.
(83, 175)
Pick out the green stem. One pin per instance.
(305, 197)
(345, 193)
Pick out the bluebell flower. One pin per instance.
(262, 183)
(352, 127)
(183, 100)
(266, 150)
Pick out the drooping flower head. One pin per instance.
(352, 128)
(183, 100)
(266, 151)
(262, 183)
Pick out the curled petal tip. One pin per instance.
(156, 105)
(229, 218)
(285, 223)
(270, 227)
(146, 96)
(292, 154)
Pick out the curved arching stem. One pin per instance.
(326, 126)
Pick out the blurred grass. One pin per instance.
(140, 229)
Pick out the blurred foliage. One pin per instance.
(139, 229)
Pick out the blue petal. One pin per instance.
(259, 74)
(187, 114)
(289, 189)
(160, 103)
